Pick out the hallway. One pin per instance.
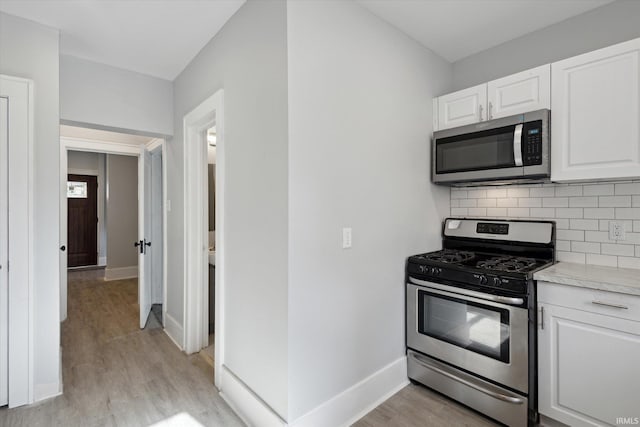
(118, 375)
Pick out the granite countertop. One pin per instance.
(621, 280)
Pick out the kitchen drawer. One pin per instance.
(624, 306)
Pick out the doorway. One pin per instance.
(134, 194)
(197, 126)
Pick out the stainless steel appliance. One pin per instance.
(514, 148)
(471, 315)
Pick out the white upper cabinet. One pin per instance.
(595, 115)
(463, 107)
(519, 93)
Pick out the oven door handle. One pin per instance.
(462, 291)
(426, 364)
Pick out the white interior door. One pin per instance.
(16, 133)
(145, 247)
(156, 227)
(63, 232)
(4, 247)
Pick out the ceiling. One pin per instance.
(160, 37)
(455, 29)
(153, 37)
(103, 135)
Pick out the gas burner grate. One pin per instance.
(448, 256)
(508, 264)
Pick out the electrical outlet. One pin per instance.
(616, 230)
(346, 238)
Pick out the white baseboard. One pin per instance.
(102, 261)
(355, 402)
(244, 402)
(60, 374)
(46, 391)
(550, 422)
(121, 273)
(173, 329)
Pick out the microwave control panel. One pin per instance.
(532, 143)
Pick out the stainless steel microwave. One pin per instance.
(508, 149)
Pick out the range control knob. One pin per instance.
(437, 271)
(482, 279)
(423, 269)
(497, 281)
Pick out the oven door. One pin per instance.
(487, 338)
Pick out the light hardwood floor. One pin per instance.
(118, 375)
(417, 406)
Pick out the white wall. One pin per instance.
(247, 59)
(105, 97)
(122, 211)
(86, 163)
(610, 24)
(83, 160)
(30, 50)
(360, 123)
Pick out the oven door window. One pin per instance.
(480, 328)
(488, 149)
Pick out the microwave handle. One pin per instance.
(517, 145)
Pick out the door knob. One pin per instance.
(142, 244)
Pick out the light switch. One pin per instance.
(346, 238)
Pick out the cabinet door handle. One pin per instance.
(609, 304)
(490, 115)
(480, 112)
(542, 317)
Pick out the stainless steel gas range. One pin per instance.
(471, 315)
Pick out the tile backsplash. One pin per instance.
(582, 213)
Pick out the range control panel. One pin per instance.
(492, 228)
(532, 143)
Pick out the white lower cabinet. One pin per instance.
(588, 361)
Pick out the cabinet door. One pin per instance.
(587, 367)
(595, 111)
(519, 93)
(463, 107)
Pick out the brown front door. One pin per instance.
(82, 234)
